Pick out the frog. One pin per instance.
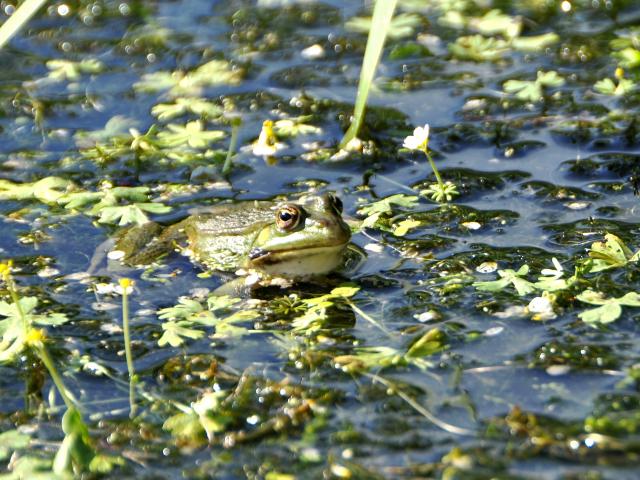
(290, 239)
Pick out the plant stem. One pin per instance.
(19, 18)
(43, 353)
(435, 169)
(382, 15)
(235, 128)
(127, 351)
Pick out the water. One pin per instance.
(511, 396)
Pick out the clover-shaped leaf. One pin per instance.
(478, 48)
(532, 91)
(609, 309)
(192, 134)
(47, 190)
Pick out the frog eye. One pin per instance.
(288, 217)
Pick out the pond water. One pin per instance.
(443, 354)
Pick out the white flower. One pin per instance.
(419, 140)
(557, 273)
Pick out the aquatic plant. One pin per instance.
(380, 23)
(442, 192)
(19, 19)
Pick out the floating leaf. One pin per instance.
(617, 88)
(386, 204)
(175, 333)
(192, 134)
(199, 106)
(509, 277)
(47, 190)
(535, 43)
(404, 226)
(533, 90)
(402, 25)
(60, 70)
(612, 253)
(609, 310)
(478, 48)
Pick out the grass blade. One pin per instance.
(382, 15)
(19, 18)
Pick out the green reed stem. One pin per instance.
(124, 283)
(382, 15)
(19, 18)
(235, 128)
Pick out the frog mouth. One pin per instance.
(270, 257)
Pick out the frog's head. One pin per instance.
(307, 237)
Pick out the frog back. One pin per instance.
(222, 236)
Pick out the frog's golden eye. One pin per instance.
(288, 217)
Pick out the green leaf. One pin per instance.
(366, 358)
(175, 333)
(431, 342)
(608, 86)
(535, 43)
(403, 227)
(609, 308)
(60, 70)
(477, 48)
(13, 330)
(628, 58)
(76, 449)
(292, 127)
(495, 22)
(402, 25)
(508, 277)
(105, 463)
(181, 84)
(218, 302)
(192, 134)
(386, 204)
(47, 190)
(533, 90)
(210, 414)
(76, 200)
(125, 215)
(492, 285)
(612, 253)
(198, 106)
(345, 291)
(185, 426)
(631, 299)
(606, 313)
